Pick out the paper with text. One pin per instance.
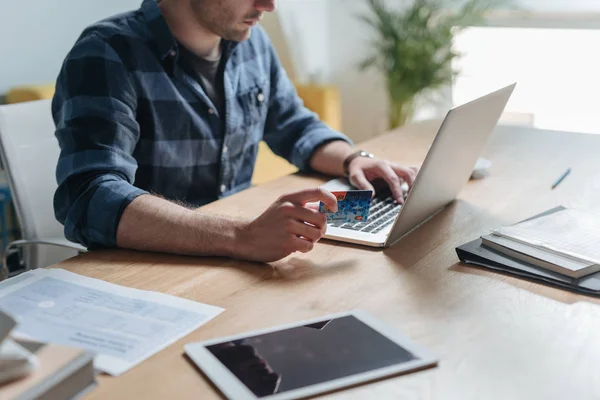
(570, 232)
(122, 326)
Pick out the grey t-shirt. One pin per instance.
(210, 74)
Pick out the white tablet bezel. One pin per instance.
(233, 388)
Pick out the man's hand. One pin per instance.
(287, 226)
(363, 171)
(329, 158)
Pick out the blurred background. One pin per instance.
(547, 46)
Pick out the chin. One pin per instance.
(239, 35)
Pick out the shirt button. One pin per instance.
(211, 111)
(260, 97)
(223, 188)
(225, 149)
(172, 53)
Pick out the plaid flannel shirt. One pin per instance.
(132, 119)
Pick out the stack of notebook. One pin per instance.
(565, 242)
(34, 370)
(559, 247)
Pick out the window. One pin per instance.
(557, 70)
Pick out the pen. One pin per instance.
(563, 176)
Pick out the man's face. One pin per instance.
(231, 19)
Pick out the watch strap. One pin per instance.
(348, 160)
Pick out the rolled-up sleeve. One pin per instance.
(94, 112)
(292, 131)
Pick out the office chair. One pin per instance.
(29, 153)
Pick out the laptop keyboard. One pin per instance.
(382, 213)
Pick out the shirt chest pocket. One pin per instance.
(254, 104)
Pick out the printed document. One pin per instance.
(122, 326)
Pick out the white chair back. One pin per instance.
(29, 152)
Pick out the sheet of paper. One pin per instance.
(122, 326)
(570, 232)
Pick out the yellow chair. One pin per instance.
(323, 100)
(22, 94)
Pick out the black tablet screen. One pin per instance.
(294, 358)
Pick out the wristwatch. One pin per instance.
(348, 160)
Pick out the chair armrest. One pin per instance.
(17, 245)
(25, 93)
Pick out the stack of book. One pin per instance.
(565, 242)
(34, 370)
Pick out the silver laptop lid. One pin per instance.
(450, 160)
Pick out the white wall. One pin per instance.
(363, 93)
(35, 35)
(305, 24)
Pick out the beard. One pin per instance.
(222, 20)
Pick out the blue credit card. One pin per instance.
(353, 206)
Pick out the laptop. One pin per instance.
(447, 167)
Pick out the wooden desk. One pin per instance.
(495, 336)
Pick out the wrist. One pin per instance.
(236, 246)
(214, 235)
(352, 157)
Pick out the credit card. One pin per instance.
(353, 206)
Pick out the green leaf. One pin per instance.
(412, 45)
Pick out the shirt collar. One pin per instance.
(165, 41)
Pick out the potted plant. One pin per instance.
(412, 47)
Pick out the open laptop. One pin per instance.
(447, 167)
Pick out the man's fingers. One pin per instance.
(302, 245)
(389, 175)
(301, 229)
(358, 180)
(305, 214)
(314, 194)
(312, 206)
(408, 174)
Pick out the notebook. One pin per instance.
(564, 241)
(34, 370)
(62, 373)
(544, 259)
(474, 253)
(570, 233)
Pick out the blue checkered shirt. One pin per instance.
(131, 118)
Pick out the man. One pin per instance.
(167, 104)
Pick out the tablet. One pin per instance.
(307, 358)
